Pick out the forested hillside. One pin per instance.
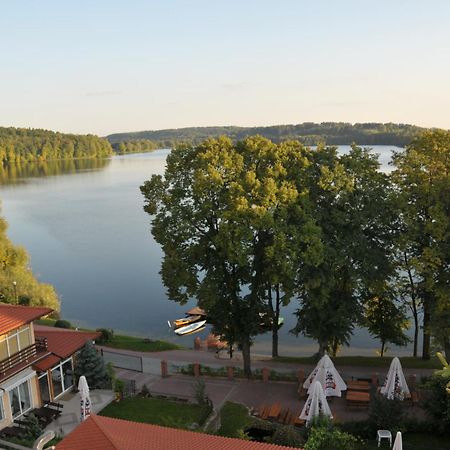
(18, 285)
(333, 133)
(25, 144)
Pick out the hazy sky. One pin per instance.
(108, 66)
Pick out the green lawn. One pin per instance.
(156, 411)
(140, 344)
(368, 361)
(414, 442)
(233, 417)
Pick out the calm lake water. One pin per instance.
(83, 224)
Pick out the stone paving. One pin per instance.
(70, 417)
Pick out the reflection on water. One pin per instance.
(17, 173)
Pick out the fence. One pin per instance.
(123, 360)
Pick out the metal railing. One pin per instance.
(23, 355)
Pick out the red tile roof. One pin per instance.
(105, 433)
(62, 342)
(46, 363)
(14, 316)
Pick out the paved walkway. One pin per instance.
(70, 417)
(151, 363)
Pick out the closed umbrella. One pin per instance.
(398, 444)
(316, 404)
(327, 375)
(85, 400)
(395, 385)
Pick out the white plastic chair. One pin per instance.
(384, 434)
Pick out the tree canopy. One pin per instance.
(247, 226)
(220, 214)
(28, 145)
(18, 285)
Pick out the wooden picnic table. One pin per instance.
(46, 414)
(358, 398)
(275, 411)
(358, 386)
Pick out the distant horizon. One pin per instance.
(212, 126)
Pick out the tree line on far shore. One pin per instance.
(19, 145)
(247, 227)
(309, 133)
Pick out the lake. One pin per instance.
(83, 225)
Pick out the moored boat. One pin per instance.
(191, 328)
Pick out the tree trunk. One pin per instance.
(416, 334)
(275, 318)
(426, 333)
(322, 348)
(413, 303)
(246, 357)
(382, 348)
(335, 347)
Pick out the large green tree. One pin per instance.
(422, 175)
(221, 216)
(17, 282)
(385, 319)
(352, 206)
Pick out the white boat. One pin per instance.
(191, 328)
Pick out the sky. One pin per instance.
(108, 66)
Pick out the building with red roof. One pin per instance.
(36, 363)
(106, 433)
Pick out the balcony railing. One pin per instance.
(26, 354)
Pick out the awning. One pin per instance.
(18, 379)
(46, 363)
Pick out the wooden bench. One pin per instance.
(357, 399)
(274, 411)
(358, 386)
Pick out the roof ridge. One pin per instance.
(106, 419)
(106, 433)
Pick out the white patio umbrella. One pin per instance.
(327, 375)
(316, 404)
(398, 444)
(85, 400)
(395, 385)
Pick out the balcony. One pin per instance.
(23, 358)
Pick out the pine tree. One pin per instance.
(90, 364)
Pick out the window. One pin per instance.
(14, 341)
(62, 377)
(43, 387)
(2, 414)
(20, 399)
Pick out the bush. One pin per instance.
(386, 414)
(107, 335)
(325, 438)
(90, 364)
(437, 405)
(287, 435)
(145, 392)
(361, 428)
(200, 393)
(60, 323)
(33, 428)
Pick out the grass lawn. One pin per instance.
(140, 344)
(233, 417)
(414, 442)
(368, 361)
(155, 411)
